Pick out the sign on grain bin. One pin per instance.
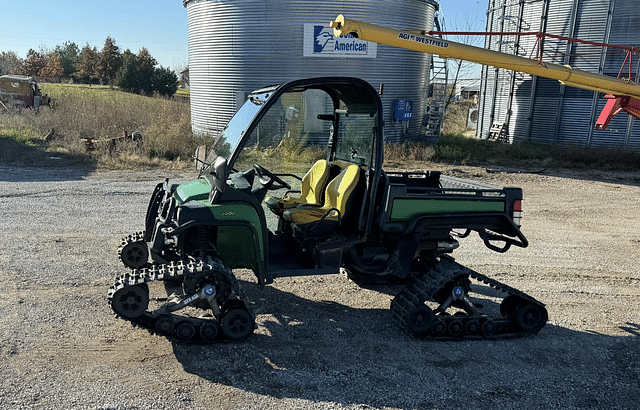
(319, 41)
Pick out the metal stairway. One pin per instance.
(437, 97)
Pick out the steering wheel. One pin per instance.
(269, 180)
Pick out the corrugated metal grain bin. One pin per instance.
(543, 110)
(236, 46)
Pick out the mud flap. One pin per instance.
(402, 257)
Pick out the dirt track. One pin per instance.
(322, 342)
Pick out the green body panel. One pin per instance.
(196, 190)
(236, 244)
(405, 209)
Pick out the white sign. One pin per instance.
(319, 41)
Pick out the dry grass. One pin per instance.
(456, 148)
(461, 150)
(101, 113)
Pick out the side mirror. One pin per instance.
(199, 156)
(220, 171)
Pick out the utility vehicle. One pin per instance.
(17, 91)
(348, 215)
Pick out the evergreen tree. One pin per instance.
(109, 61)
(87, 65)
(146, 66)
(128, 78)
(69, 54)
(165, 81)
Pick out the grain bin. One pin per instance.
(543, 110)
(236, 46)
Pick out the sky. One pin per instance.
(158, 25)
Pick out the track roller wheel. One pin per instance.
(185, 331)
(237, 324)
(455, 327)
(165, 325)
(209, 330)
(509, 305)
(131, 301)
(439, 327)
(135, 254)
(531, 317)
(472, 327)
(489, 327)
(420, 320)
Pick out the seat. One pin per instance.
(337, 195)
(311, 188)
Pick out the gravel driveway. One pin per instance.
(322, 342)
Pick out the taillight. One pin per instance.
(517, 212)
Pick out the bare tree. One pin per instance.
(34, 62)
(183, 75)
(462, 71)
(52, 70)
(10, 63)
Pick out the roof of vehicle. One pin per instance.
(357, 94)
(20, 78)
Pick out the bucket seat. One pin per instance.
(337, 196)
(311, 189)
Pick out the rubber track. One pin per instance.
(177, 271)
(425, 288)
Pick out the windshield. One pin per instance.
(291, 133)
(229, 138)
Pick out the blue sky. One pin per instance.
(158, 25)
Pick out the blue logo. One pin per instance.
(209, 290)
(321, 36)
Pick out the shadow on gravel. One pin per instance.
(56, 170)
(329, 352)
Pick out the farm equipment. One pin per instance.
(622, 94)
(19, 91)
(350, 215)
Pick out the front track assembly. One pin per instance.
(448, 285)
(207, 284)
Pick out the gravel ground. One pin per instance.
(322, 342)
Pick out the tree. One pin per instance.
(136, 73)
(69, 53)
(462, 71)
(139, 74)
(34, 62)
(52, 71)
(10, 63)
(127, 77)
(183, 73)
(109, 61)
(87, 65)
(146, 66)
(165, 81)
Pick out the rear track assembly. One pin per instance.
(447, 283)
